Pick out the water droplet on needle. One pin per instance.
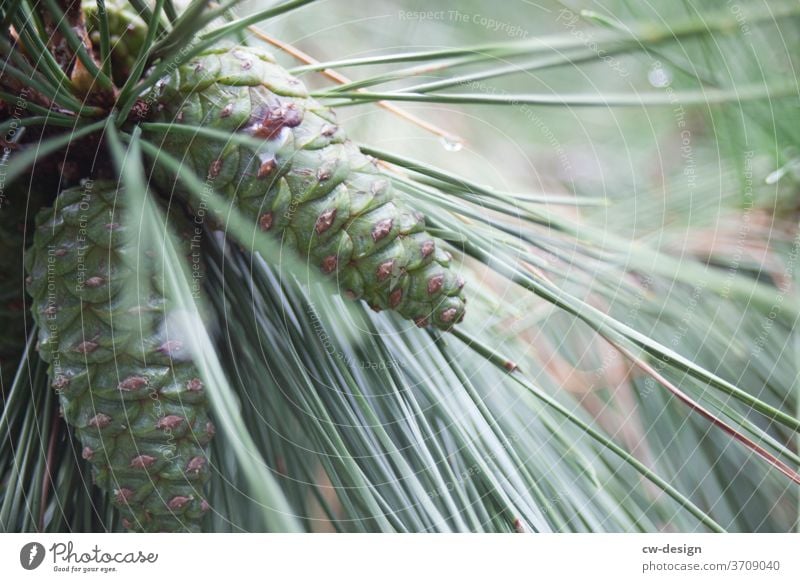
(659, 77)
(451, 144)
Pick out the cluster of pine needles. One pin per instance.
(563, 402)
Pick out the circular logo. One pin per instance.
(31, 555)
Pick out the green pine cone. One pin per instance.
(119, 363)
(126, 29)
(306, 182)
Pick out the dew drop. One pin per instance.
(659, 77)
(451, 144)
(792, 167)
(774, 177)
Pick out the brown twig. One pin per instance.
(341, 79)
(697, 407)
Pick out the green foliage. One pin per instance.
(628, 362)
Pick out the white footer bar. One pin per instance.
(410, 558)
